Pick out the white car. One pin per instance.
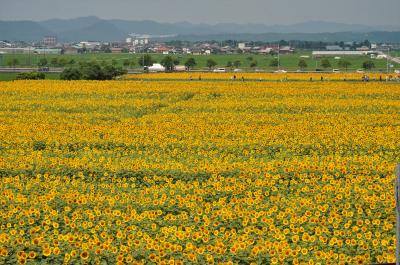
(336, 71)
(397, 71)
(238, 70)
(280, 71)
(219, 70)
(360, 71)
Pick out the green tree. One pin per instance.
(325, 63)
(111, 72)
(344, 64)
(253, 64)
(31, 76)
(42, 62)
(190, 63)
(93, 71)
(237, 63)
(229, 64)
(274, 63)
(211, 63)
(368, 65)
(169, 63)
(71, 74)
(302, 64)
(146, 60)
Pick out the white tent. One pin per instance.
(156, 68)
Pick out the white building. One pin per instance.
(242, 45)
(47, 51)
(17, 50)
(90, 45)
(49, 41)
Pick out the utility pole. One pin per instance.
(387, 60)
(13, 59)
(29, 57)
(279, 56)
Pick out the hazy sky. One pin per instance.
(369, 12)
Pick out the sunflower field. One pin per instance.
(180, 172)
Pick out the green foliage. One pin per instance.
(344, 64)
(274, 63)
(190, 62)
(146, 60)
(71, 74)
(169, 63)
(30, 76)
(62, 62)
(325, 63)
(211, 63)
(253, 64)
(42, 62)
(237, 63)
(187, 96)
(368, 65)
(302, 64)
(128, 63)
(92, 71)
(111, 72)
(39, 146)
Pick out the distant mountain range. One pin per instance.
(94, 28)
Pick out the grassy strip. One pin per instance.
(12, 76)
